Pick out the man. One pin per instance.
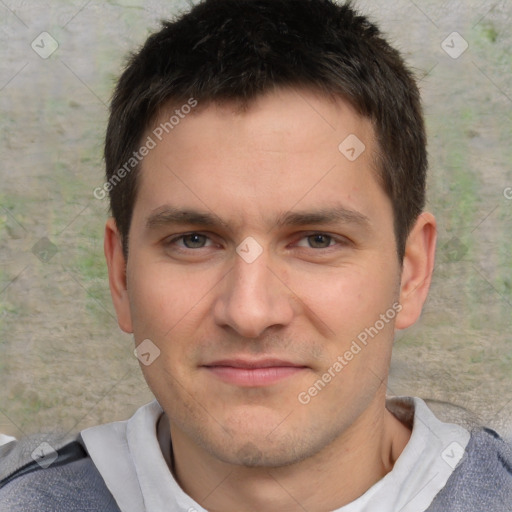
(266, 169)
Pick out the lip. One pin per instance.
(253, 373)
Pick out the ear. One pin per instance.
(117, 275)
(417, 269)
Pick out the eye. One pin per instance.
(317, 241)
(191, 241)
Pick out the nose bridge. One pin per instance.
(252, 298)
(251, 282)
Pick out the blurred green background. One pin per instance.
(65, 364)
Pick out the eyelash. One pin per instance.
(341, 241)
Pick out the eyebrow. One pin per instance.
(168, 215)
(335, 215)
(328, 216)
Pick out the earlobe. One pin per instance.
(116, 264)
(417, 269)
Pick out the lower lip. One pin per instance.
(254, 376)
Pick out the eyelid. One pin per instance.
(341, 240)
(172, 239)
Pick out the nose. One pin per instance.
(253, 298)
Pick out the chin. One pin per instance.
(259, 451)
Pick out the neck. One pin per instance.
(338, 475)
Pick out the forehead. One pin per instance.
(282, 149)
(286, 118)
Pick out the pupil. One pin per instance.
(320, 240)
(194, 241)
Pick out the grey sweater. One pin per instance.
(482, 482)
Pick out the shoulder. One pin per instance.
(483, 478)
(35, 476)
(487, 454)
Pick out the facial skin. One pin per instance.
(249, 443)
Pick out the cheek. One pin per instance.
(346, 299)
(169, 302)
(158, 299)
(166, 307)
(150, 302)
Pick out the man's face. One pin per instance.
(243, 336)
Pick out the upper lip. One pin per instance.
(259, 363)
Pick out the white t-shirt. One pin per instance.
(130, 460)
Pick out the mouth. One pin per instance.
(253, 373)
